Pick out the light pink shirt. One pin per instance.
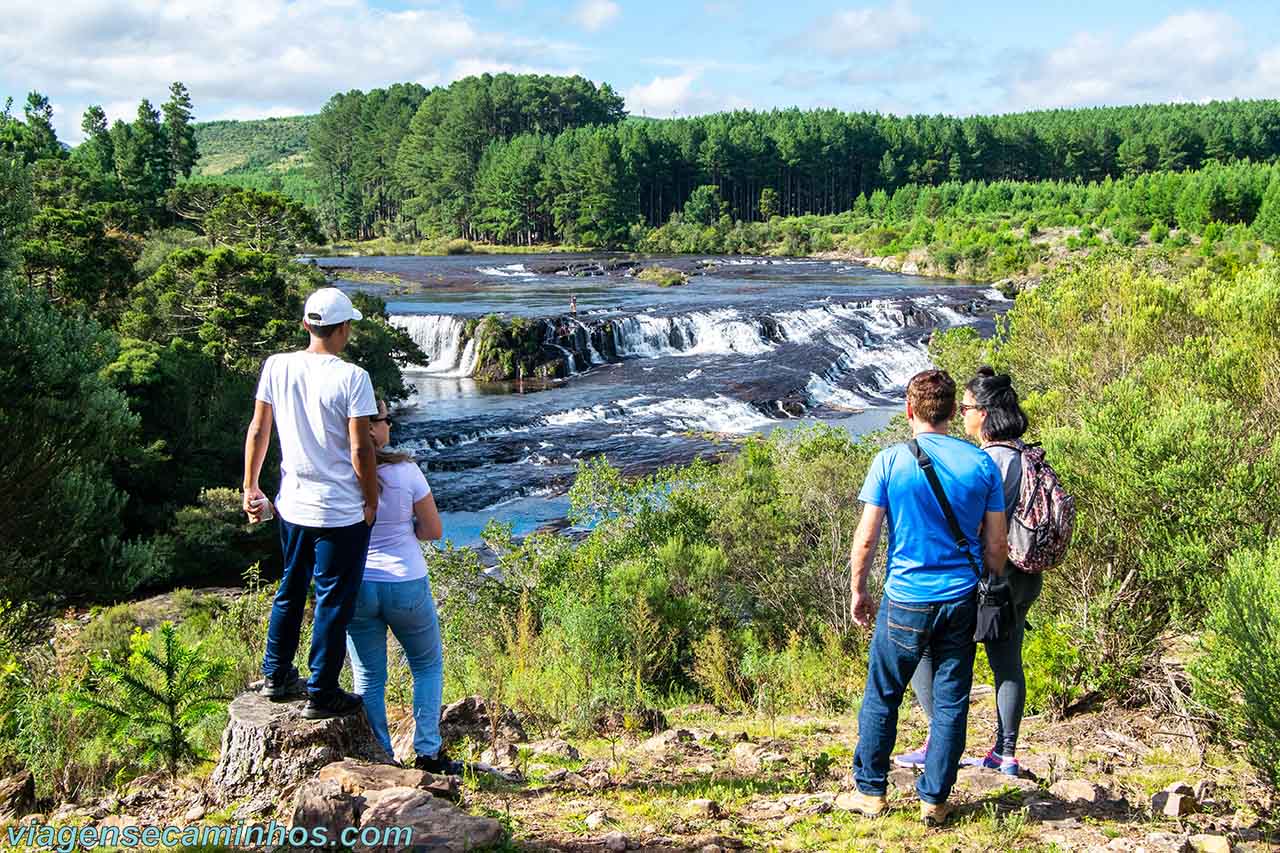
(394, 551)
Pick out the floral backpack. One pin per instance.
(1042, 522)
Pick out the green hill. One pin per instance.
(264, 154)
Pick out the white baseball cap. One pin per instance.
(329, 306)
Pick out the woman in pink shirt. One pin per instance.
(396, 594)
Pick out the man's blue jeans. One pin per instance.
(903, 632)
(334, 557)
(408, 609)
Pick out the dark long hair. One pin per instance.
(994, 393)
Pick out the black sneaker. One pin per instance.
(440, 765)
(339, 703)
(285, 687)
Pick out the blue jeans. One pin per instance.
(334, 557)
(902, 635)
(1006, 665)
(408, 609)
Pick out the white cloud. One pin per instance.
(678, 95)
(1191, 56)
(661, 96)
(593, 15)
(246, 56)
(848, 32)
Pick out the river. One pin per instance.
(658, 376)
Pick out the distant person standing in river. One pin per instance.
(320, 406)
(573, 304)
(396, 594)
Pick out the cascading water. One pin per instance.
(655, 376)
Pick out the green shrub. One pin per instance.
(156, 699)
(1238, 670)
(1159, 231)
(458, 246)
(662, 276)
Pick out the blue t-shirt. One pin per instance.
(924, 564)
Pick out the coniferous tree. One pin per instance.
(179, 135)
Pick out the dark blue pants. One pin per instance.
(902, 635)
(334, 557)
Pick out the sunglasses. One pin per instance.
(386, 420)
(965, 408)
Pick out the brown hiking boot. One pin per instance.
(867, 805)
(936, 815)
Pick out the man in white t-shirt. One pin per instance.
(320, 406)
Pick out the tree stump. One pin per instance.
(269, 746)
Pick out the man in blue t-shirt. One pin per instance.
(929, 601)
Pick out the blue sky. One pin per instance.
(252, 58)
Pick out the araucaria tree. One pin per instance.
(155, 700)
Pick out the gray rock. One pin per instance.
(194, 814)
(902, 779)
(1210, 844)
(595, 820)
(17, 795)
(616, 841)
(1181, 788)
(324, 803)
(751, 756)
(1167, 842)
(1046, 810)
(1204, 790)
(557, 775)
(268, 747)
(666, 740)
(503, 755)
(1079, 791)
(702, 808)
(436, 824)
(555, 748)
(357, 777)
(982, 780)
(472, 718)
(1172, 804)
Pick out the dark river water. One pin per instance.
(659, 374)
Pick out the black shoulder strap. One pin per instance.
(926, 465)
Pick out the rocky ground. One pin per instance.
(1098, 781)
(707, 781)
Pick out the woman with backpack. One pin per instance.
(993, 417)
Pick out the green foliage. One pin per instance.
(1153, 394)
(704, 205)
(154, 700)
(458, 247)
(263, 222)
(70, 255)
(1238, 668)
(237, 303)
(65, 430)
(662, 276)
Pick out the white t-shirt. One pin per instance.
(312, 396)
(394, 552)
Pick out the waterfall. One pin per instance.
(440, 337)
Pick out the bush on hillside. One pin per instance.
(1237, 673)
(1153, 392)
(458, 247)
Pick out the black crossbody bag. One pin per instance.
(995, 604)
